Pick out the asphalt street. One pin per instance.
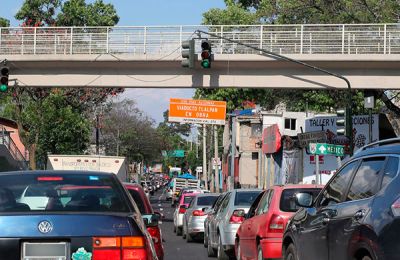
(175, 247)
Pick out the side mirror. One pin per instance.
(304, 199)
(239, 213)
(151, 220)
(161, 216)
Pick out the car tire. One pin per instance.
(259, 252)
(210, 251)
(183, 232)
(221, 254)
(290, 253)
(189, 238)
(238, 251)
(205, 239)
(174, 229)
(179, 231)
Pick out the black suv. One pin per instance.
(356, 216)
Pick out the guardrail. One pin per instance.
(166, 40)
(6, 140)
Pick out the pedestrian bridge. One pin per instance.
(149, 56)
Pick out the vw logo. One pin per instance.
(45, 227)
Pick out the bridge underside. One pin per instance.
(238, 71)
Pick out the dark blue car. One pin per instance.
(70, 215)
(356, 216)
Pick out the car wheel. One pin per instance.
(189, 238)
(205, 239)
(174, 229)
(290, 253)
(238, 251)
(183, 232)
(179, 231)
(259, 253)
(210, 250)
(221, 254)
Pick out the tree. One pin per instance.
(36, 13)
(300, 11)
(78, 13)
(4, 22)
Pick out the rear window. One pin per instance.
(206, 201)
(288, 203)
(61, 192)
(187, 199)
(139, 202)
(246, 198)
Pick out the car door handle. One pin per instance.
(359, 215)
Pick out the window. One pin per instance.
(139, 202)
(256, 203)
(256, 130)
(245, 198)
(290, 123)
(366, 181)
(337, 187)
(254, 156)
(288, 198)
(187, 199)
(206, 201)
(391, 169)
(264, 204)
(225, 202)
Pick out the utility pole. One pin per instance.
(205, 177)
(97, 134)
(216, 159)
(233, 153)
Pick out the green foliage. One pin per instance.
(4, 22)
(233, 14)
(38, 12)
(235, 97)
(78, 13)
(327, 11)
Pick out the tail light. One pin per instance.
(198, 213)
(276, 224)
(182, 210)
(154, 233)
(130, 248)
(396, 208)
(237, 217)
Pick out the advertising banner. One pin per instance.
(328, 125)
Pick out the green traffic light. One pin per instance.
(205, 64)
(3, 88)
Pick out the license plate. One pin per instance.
(45, 251)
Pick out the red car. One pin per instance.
(260, 235)
(145, 208)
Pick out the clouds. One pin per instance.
(155, 101)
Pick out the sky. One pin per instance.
(139, 13)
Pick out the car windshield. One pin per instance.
(246, 198)
(288, 202)
(206, 200)
(60, 192)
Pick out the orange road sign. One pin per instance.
(197, 111)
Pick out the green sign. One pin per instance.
(175, 153)
(325, 149)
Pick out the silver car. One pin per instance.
(193, 220)
(223, 225)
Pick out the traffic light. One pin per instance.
(206, 55)
(4, 79)
(188, 54)
(344, 123)
(341, 122)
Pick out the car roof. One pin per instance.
(386, 149)
(298, 186)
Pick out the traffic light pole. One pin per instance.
(349, 125)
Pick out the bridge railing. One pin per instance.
(166, 40)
